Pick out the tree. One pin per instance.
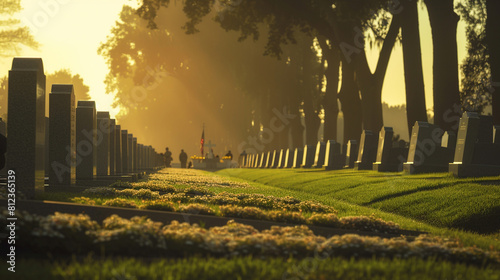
(62, 76)
(201, 78)
(341, 22)
(476, 81)
(446, 95)
(12, 36)
(412, 58)
(492, 31)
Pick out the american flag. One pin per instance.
(202, 140)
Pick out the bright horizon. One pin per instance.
(67, 43)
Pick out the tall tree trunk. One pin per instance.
(370, 84)
(445, 67)
(330, 104)
(297, 129)
(351, 104)
(492, 33)
(412, 56)
(312, 120)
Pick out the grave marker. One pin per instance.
(86, 139)
(103, 128)
(430, 149)
(333, 158)
(351, 153)
(476, 154)
(298, 156)
(367, 151)
(62, 133)
(319, 157)
(289, 158)
(26, 124)
(112, 147)
(118, 150)
(308, 157)
(125, 152)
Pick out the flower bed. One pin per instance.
(199, 200)
(66, 233)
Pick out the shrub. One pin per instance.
(101, 192)
(368, 224)
(197, 191)
(120, 184)
(325, 220)
(196, 209)
(83, 200)
(242, 212)
(120, 202)
(286, 217)
(159, 205)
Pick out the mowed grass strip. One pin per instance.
(438, 199)
(97, 267)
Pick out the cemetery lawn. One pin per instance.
(436, 203)
(249, 268)
(446, 208)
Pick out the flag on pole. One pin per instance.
(202, 140)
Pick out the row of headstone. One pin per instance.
(474, 152)
(80, 143)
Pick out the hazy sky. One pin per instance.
(70, 32)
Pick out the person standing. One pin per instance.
(167, 157)
(183, 157)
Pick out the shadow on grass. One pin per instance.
(484, 223)
(408, 192)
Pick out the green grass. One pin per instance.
(246, 268)
(437, 203)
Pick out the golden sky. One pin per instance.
(70, 32)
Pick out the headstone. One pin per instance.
(430, 149)
(476, 153)
(86, 139)
(140, 164)
(269, 160)
(47, 164)
(289, 158)
(134, 154)
(3, 147)
(146, 158)
(297, 157)
(367, 151)
(281, 159)
(390, 156)
(308, 157)
(112, 147)
(351, 153)
(496, 134)
(103, 129)
(274, 162)
(130, 153)
(449, 140)
(118, 150)
(62, 135)
(333, 158)
(319, 157)
(26, 125)
(263, 160)
(125, 152)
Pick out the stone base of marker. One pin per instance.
(411, 168)
(473, 170)
(395, 162)
(438, 162)
(359, 165)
